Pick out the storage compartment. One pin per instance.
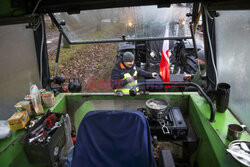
(46, 153)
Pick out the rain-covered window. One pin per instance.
(129, 22)
(233, 57)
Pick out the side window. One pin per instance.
(233, 58)
(18, 66)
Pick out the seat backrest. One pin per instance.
(113, 139)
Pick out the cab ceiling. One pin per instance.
(10, 8)
(77, 5)
(71, 6)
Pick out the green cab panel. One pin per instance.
(211, 150)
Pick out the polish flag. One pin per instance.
(165, 63)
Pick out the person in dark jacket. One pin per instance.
(123, 76)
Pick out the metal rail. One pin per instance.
(124, 39)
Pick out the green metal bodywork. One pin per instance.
(211, 150)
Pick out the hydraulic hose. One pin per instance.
(133, 92)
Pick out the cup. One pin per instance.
(234, 131)
(222, 97)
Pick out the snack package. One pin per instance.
(23, 105)
(48, 98)
(18, 120)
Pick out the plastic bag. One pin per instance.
(69, 143)
(4, 129)
(36, 99)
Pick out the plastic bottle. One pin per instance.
(36, 99)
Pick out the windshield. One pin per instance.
(92, 64)
(129, 22)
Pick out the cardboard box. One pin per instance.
(23, 105)
(18, 120)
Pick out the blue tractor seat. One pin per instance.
(113, 138)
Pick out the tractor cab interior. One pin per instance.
(169, 122)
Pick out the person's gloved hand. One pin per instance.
(154, 74)
(187, 77)
(130, 79)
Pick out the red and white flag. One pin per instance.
(165, 63)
